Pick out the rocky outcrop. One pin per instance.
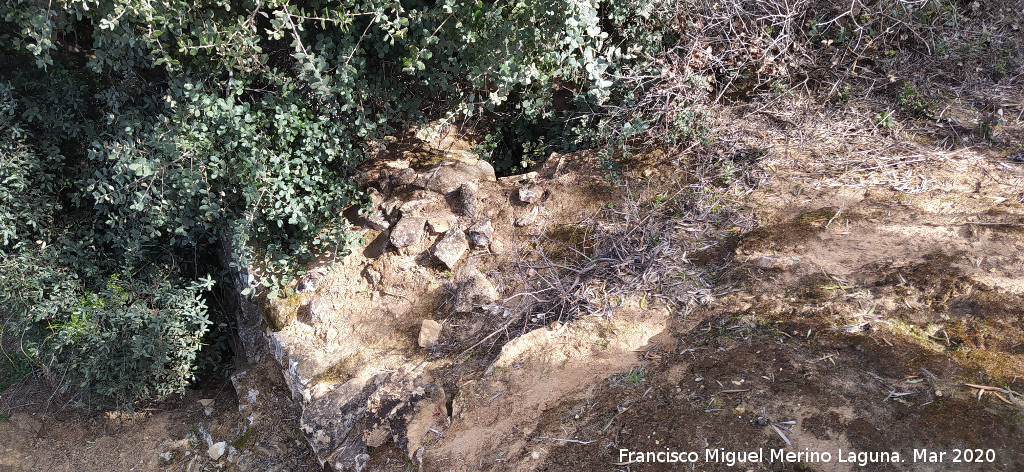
(353, 344)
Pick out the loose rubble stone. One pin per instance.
(166, 458)
(451, 247)
(403, 177)
(317, 312)
(408, 231)
(411, 207)
(529, 194)
(447, 177)
(430, 331)
(473, 290)
(376, 220)
(372, 275)
(390, 206)
(515, 179)
(439, 224)
(497, 246)
(529, 218)
(217, 450)
(310, 282)
(480, 234)
(468, 199)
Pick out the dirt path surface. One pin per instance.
(260, 432)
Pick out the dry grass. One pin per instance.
(661, 242)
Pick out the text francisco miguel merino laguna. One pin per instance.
(730, 458)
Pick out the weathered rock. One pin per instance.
(399, 402)
(451, 247)
(278, 314)
(429, 416)
(473, 289)
(415, 206)
(447, 177)
(403, 177)
(217, 450)
(514, 179)
(399, 405)
(331, 422)
(310, 281)
(316, 313)
(440, 224)
(529, 194)
(390, 207)
(376, 220)
(529, 218)
(372, 275)
(467, 199)
(467, 396)
(480, 234)
(430, 331)
(497, 246)
(408, 231)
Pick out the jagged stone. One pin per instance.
(447, 177)
(390, 207)
(310, 281)
(372, 275)
(467, 199)
(430, 331)
(331, 422)
(408, 231)
(440, 224)
(473, 289)
(217, 450)
(403, 177)
(529, 218)
(316, 313)
(376, 220)
(529, 194)
(480, 234)
(451, 247)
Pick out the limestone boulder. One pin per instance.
(451, 247)
(449, 176)
(467, 199)
(480, 234)
(408, 231)
(473, 290)
(430, 332)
